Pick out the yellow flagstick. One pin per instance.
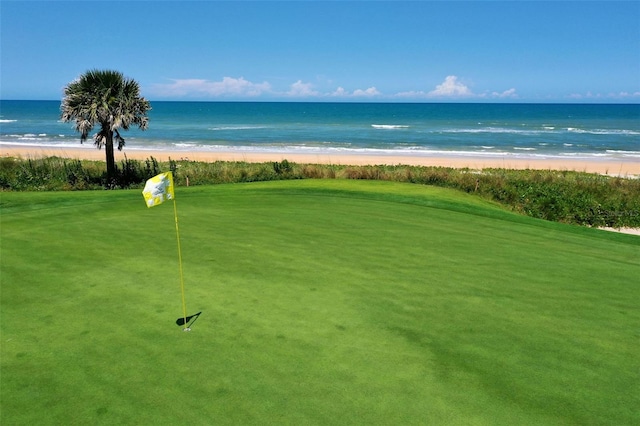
(156, 191)
(184, 305)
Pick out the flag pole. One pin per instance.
(184, 305)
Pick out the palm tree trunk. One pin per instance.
(111, 162)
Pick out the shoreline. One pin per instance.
(622, 168)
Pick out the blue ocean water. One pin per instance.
(608, 131)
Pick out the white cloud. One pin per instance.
(591, 96)
(300, 89)
(229, 86)
(450, 87)
(340, 92)
(588, 95)
(358, 93)
(511, 93)
(411, 94)
(629, 95)
(371, 91)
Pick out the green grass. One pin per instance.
(324, 302)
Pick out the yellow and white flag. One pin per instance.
(158, 189)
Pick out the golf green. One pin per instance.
(323, 302)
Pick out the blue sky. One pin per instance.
(420, 51)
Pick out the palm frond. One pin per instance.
(106, 98)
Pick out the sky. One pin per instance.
(328, 51)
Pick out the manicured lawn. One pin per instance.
(324, 302)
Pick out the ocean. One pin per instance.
(605, 131)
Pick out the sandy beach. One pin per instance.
(625, 168)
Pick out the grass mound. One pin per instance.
(324, 302)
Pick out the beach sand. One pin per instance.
(625, 168)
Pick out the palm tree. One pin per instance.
(109, 99)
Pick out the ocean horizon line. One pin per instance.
(383, 102)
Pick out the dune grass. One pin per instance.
(561, 196)
(324, 302)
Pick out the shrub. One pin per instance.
(571, 197)
(282, 168)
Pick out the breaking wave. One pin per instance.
(225, 128)
(389, 126)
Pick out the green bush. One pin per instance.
(562, 196)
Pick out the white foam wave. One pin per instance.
(223, 128)
(389, 126)
(631, 154)
(493, 130)
(618, 151)
(8, 121)
(47, 144)
(603, 131)
(546, 130)
(320, 148)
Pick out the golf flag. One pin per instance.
(158, 189)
